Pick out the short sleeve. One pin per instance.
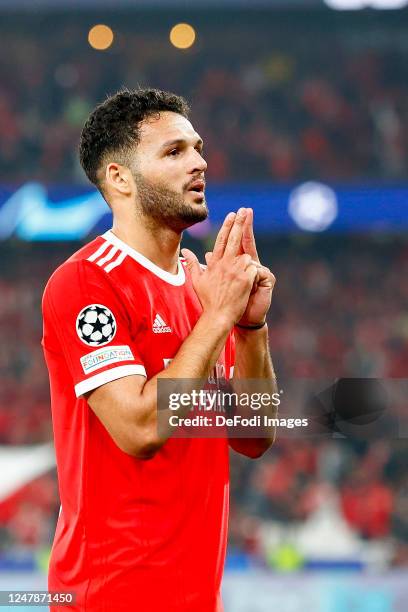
(86, 319)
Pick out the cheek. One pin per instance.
(171, 174)
(167, 169)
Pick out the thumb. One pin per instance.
(192, 262)
(208, 257)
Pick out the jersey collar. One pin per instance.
(174, 279)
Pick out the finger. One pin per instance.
(222, 237)
(208, 257)
(266, 277)
(248, 237)
(244, 261)
(233, 245)
(252, 272)
(192, 263)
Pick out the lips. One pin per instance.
(197, 186)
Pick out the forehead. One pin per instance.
(155, 131)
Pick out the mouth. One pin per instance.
(197, 186)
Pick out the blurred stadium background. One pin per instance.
(303, 107)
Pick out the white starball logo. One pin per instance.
(96, 325)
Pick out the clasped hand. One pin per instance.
(234, 285)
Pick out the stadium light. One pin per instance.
(352, 5)
(182, 36)
(100, 37)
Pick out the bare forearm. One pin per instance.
(198, 354)
(254, 373)
(193, 362)
(253, 359)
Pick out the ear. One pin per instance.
(118, 178)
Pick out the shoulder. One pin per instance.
(91, 264)
(103, 252)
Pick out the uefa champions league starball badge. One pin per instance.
(96, 325)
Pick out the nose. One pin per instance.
(198, 163)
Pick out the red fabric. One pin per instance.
(132, 534)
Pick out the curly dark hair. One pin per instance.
(113, 127)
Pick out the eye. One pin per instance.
(173, 152)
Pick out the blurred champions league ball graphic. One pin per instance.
(313, 206)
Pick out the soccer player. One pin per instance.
(143, 520)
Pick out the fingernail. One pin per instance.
(230, 216)
(241, 211)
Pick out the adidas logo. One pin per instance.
(160, 327)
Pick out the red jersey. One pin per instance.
(132, 534)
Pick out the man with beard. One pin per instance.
(143, 517)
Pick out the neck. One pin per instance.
(161, 245)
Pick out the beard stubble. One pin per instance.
(165, 207)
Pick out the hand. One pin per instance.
(260, 297)
(224, 287)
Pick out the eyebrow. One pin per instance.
(178, 141)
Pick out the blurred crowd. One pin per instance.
(274, 98)
(339, 310)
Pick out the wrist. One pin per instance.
(217, 320)
(251, 334)
(251, 326)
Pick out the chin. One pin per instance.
(194, 215)
(197, 216)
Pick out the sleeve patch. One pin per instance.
(105, 356)
(96, 325)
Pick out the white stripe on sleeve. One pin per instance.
(116, 262)
(104, 377)
(107, 257)
(99, 252)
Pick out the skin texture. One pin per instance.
(152, 204)
(163, 205)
